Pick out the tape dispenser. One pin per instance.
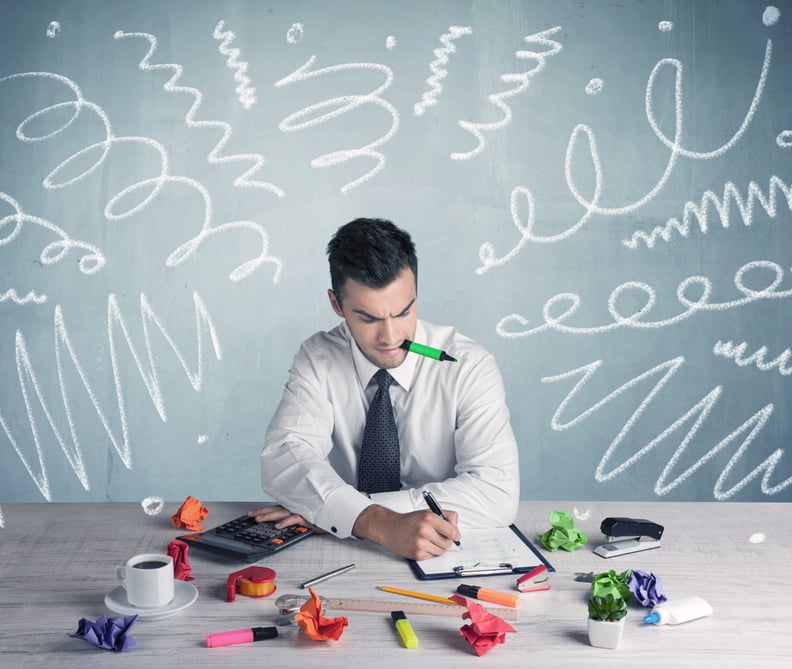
(251, 582)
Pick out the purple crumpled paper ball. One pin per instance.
(646, 588)
(107, 633)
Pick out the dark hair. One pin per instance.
(371, 251)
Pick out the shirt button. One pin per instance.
(334, 530)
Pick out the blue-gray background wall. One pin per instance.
(171, 171)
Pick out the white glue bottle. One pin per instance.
(678, 611)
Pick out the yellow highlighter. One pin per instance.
(404, 629)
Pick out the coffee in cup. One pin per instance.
(147, 579)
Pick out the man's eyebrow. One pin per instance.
(369, 316)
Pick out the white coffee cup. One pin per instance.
(147, 579)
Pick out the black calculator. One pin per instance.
(245, 539)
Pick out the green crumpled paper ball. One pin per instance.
(562, 533)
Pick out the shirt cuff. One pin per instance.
(340, 511)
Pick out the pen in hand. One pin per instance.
(435, 508)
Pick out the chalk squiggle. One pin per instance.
(339, 106)
(153, 184)
(693, 305)
(214, 157)
(91, 261)
(700, 211)
(245, 92)
(523, 80)
(592, 205)
(736, 352)
(29, 384)
(698, 414)
(2, 518)
(437, 67)
(12, 296)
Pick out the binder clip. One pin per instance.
(251, 582)
(638, 535)
(534, 580)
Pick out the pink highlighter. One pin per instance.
(241, 636)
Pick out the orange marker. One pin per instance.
(487, 595)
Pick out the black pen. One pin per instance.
(435, 507)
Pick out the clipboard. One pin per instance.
(484, 552)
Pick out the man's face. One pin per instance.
(380, 319)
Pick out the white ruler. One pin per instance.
(417, 608)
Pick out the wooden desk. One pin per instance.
(57, 563)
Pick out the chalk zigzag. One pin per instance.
(214, 157)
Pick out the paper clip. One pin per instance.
(534, 580)
(502, 568)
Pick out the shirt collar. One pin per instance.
(365, 369)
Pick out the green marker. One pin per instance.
(428, 351)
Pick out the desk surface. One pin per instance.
(57, 563)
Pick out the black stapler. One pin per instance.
(635, 534)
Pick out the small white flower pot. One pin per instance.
(605, 633)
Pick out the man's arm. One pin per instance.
(418, 535)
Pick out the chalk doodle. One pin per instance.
(437, 67)
(391, 42)
(152, 506)
(245, 92)
(343, 105)
(215, 157)
(594, 86)
(665, 26)
(29, 385)
(722, 207)
(523, 80)
(2, 518)
(90, 262)
(698, 415)
(693, 304)
(53, 29)
(771, 15)
(295, 33)
(784, 139)
(32, 297)
(154, 184)
(736, 352)
(592, 206)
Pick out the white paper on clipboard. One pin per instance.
(482, 549)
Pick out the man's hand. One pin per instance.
(418, 535)
(282, 517)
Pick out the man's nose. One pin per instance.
(388, 334)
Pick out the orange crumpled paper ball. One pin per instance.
(315, 625)
(190, 514)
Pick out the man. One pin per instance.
(454, 435)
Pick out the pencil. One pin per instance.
(417, 595)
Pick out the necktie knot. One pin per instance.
(384, 379)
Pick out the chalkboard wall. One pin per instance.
(599, 192)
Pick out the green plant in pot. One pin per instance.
(606, 620)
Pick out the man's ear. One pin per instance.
(335, 303)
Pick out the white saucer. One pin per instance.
(184, 595)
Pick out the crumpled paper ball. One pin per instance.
(106, 633)
(646, 588)
(485, 630)
(315, 625)
(178, 550)
(190, 515)
(611, 583)
(562, 533)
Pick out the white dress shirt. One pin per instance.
(454, 432)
